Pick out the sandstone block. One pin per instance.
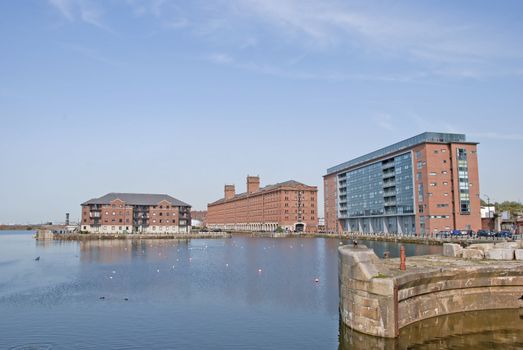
(474, 254)
(519, 254)
(482, 246)
(500, 254)
(452, 249)
(513, 245)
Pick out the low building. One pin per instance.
(420, 185)
(200, 217)
(290, 205)
(135, 213)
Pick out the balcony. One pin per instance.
(388, 184)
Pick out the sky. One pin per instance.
(182, 97)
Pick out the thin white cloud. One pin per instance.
(288, 72)
(83, 10)
(64, 7)
(220, 58)
(402, 43)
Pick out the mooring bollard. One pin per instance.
(403, 258)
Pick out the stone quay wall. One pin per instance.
(377, 298)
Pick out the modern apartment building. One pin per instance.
(421, 185)
(290, 205)
(136, 213)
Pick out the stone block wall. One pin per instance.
(378, 299)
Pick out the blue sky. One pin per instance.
(181, 97)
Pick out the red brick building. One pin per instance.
(136, 213)
(421, 185)
(290, 205)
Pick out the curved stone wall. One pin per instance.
(379, 299)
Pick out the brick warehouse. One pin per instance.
(290, 205)
(421, 185)
(136, 213)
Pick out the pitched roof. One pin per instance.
(137, 199)
(290, 183)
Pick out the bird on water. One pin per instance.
(37, 258)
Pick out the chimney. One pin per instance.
(229, 191)
(66, 219)
(253, 184)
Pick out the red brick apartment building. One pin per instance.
(136, 213)
(290, 205)
(421, 185)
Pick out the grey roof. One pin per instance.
(426, 137)
(290, 183)
(137, 199)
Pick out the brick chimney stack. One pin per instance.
(229, 191)
(253, 184)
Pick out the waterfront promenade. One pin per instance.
(389, 237)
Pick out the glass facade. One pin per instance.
(405, 144)
(378, 196)
(463, 176)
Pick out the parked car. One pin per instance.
(443, 234)
(484, 233)
(504, 234)
(456, 233)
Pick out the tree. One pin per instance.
(513, 207)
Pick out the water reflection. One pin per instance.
(472, 330)
(241, 292)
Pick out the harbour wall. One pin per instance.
(379, 299)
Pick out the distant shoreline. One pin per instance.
(98, 236)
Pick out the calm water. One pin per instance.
(239, 293)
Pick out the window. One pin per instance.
(445, 183)
(444, 172)
(433, 184)
(432, 173)
(436, 151)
